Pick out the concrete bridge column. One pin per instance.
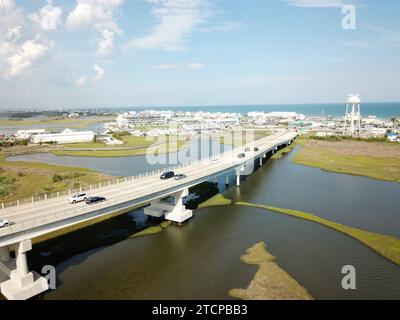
(22, 284)
(5, 254)
(21, 259)
(175, 211)
(179, 213)
(238, 177)
(227, 180)
(261, 161)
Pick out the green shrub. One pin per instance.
(57, 178)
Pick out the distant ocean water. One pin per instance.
(381, 110)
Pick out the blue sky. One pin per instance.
(114, 53)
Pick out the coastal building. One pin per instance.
(67, 136)
(110, 141)
(28, 134)
(133, 119)
(378, 132)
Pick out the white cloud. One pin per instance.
(177, 19)
(100, 15)
(317, 3)
(48, 17)
(191, 66)
(21, 47)
(99, 72)
(14, 34)
(30, 53)
(81, 81)
(7, 4)
(108, 30)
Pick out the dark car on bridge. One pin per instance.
(241, 155)
(180, 177)
(256, 149)
(94, 200)
(167, 175)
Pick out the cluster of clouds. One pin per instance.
(99, 15)
(21, 42)
(25, 39)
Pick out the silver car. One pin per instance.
(4, 223)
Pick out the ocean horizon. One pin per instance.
(384, 110)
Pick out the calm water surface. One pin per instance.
(201, 260)
(128, 166)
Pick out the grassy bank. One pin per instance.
(217, 200)
(283, 152)
(370, 159)
(22, 180)
(139, 145)
(54, 121)
(270, 282)
(387, 246)
(152, 230)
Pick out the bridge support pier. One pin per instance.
(22, 284)
(261, 161)
(227, 180)
(175, 212)
(5, 254)
(238, 177)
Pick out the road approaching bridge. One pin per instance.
(35, 219)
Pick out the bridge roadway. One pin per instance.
(34, 219)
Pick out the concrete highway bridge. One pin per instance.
(32, 220)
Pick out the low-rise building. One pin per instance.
(67, 136)
(393, 137)
(132, 119)
(28, 134)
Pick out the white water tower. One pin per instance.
(352, 119)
